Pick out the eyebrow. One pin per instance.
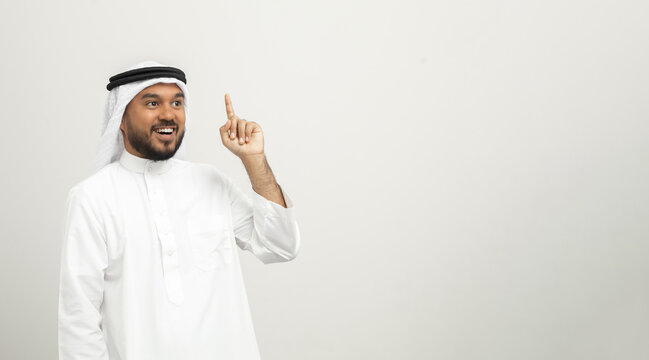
(156, 96)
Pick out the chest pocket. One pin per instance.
(211, 241)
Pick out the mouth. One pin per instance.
(165, 133)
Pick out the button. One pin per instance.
(163, 213)
(170, 252)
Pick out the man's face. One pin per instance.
(153, 124)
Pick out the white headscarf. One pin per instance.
(111, 143)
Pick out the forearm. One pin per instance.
(262, 178)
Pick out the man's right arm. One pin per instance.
(84, 260)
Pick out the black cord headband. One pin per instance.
(145, 74)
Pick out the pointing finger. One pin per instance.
(228, 106)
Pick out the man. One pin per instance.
(148, 265)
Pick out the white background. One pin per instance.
(470, 176)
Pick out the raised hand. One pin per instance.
(243, 138)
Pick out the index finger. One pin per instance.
(228, 106)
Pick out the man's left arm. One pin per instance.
(266, 226)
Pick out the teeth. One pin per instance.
(165, 130)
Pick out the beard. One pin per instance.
(143, 144)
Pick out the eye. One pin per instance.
(177, 103)
(151, 103)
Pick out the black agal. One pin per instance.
(145, 74)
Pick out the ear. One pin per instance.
(122, 125)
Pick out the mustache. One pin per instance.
(164, 124)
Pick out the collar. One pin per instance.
(141, 165)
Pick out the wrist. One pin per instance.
(253, 160)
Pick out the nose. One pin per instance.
(167, 112)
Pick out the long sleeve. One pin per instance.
(83, 263)
(266, 229)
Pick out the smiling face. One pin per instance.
(153, 124)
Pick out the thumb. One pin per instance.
(224, 131)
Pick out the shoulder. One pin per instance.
(94, 185)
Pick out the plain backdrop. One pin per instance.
(470, 177)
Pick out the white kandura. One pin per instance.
(149, 267)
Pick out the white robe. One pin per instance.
(148, 264)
